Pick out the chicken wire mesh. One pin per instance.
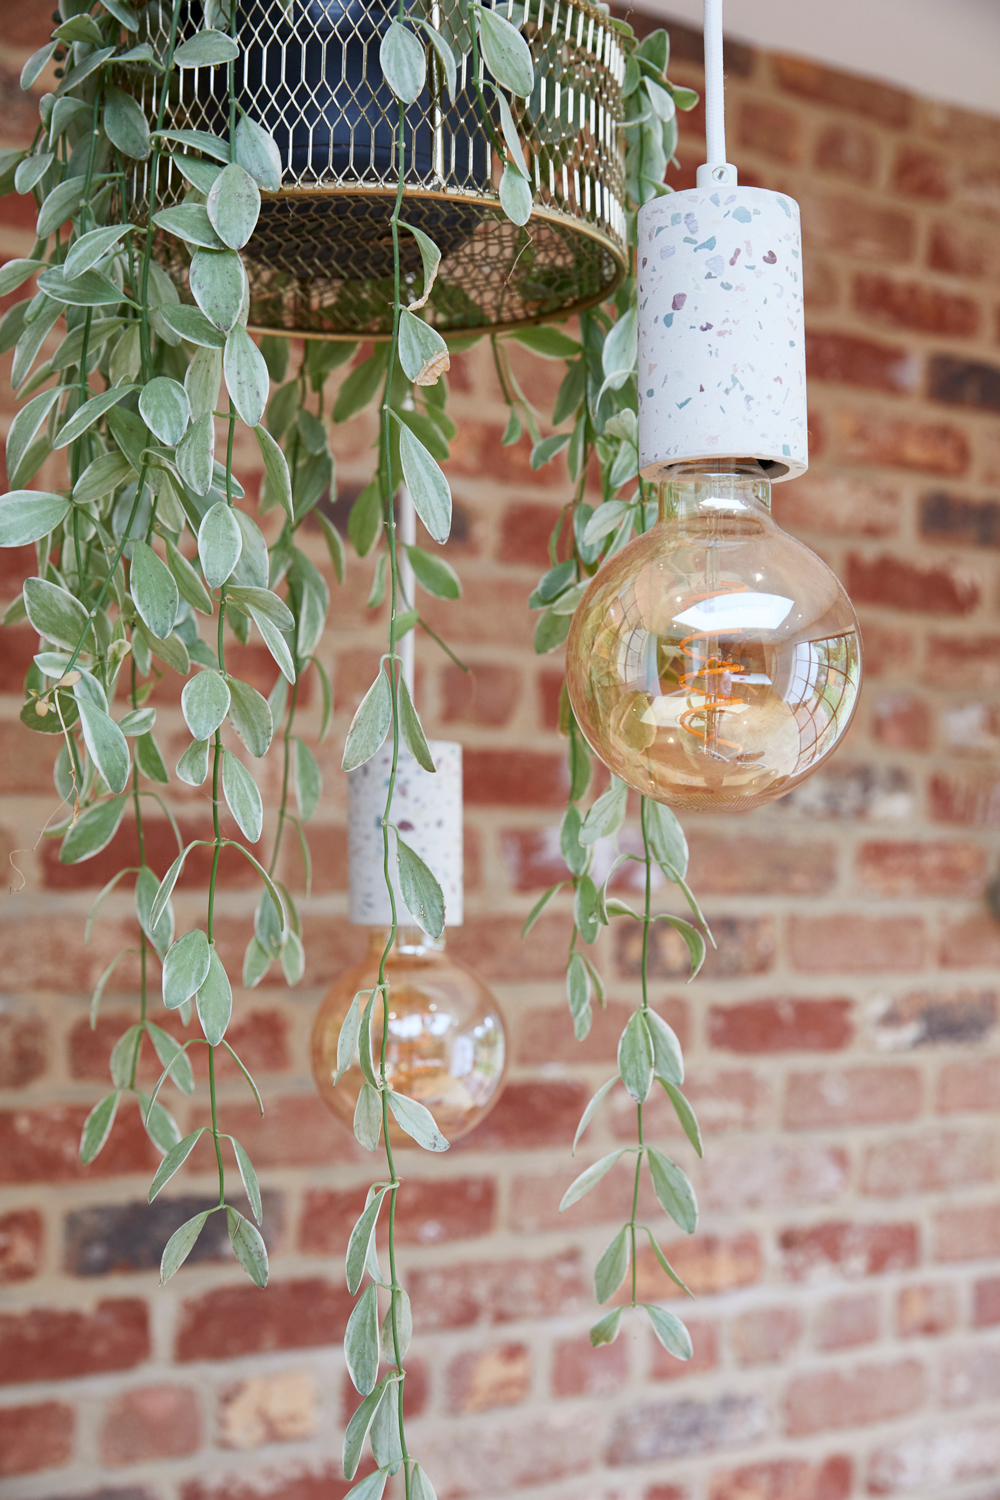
(320, 261)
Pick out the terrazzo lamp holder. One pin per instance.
(715, 662)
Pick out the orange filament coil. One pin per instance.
(715, 676)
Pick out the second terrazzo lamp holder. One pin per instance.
(447, 1045)
(715, 662)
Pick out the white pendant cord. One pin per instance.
(717, 171)
(407, 532)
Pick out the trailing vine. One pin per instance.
(151, 530)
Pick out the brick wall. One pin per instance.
(842, 1043)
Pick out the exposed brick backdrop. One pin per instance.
(842, 1043)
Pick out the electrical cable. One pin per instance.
(717, 171)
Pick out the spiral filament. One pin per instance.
(712, 681)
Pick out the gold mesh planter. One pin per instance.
(320, 261)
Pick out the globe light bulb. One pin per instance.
(447, 1046)
(714, 662)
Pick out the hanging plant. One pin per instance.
(144, 531)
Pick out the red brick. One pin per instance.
(919, 173)
(902, 721)
(967, 1233)
(740, 864)
(477, 450)
(578, 1369)
(854, 944)
(492, 610)
(824, 1399)
(509, 1453)
(483, 1379)
(838, 505)
(867, 437)
(231, 1321)
(161, 850)
(50, 1344)
(27, 766)
(745, 945)
(936, 1458)
(525, 529)
(493, 947)
(784, 1025)
(785, 1172)
(772, 131)
(846, 1322)
(525, 778)
(926, 1309)
(296, 1131)
(498, 1291)
(488, 695)
(927, 1163)
(912, 304)
(786, 1479)
(969, 796)
(953, 518)
(278, 1407)
(532, 1114)
(888, 650)
(848, 360)
(765, 1336)
(259, 1037)
(857, 226)
(293, 1481)
(20, 645)
(644, 1434)
(848, 149)
(986, 1302)
(43, 1145)
(963, 252)
(427, 1213)
(912, 867)
(860, 95)
(842, 1249)
(21, 1244)
(416, 1391)
(23, 1048)
(665, 1492)
(971, 1375)
(852, 1096)
(892, 582)
(35, 1437)
(970, 1086)
(928, 1017)
(963, 382)
(158, 1421)
(328, 848)
(545, 1036)
(704, 1341)
(707, 1263)
(969, 661)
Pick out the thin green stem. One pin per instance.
(154, 165)
(646, 923)
(285, 776)
(215, 1127)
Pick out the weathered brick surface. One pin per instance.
(842, 1043)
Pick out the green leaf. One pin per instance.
(370, 724)
(249, 1179)
(368, 1117)
(674, 1191)
(670, 1331)
(539, 907)
(423, 353)
(293, 958)
(233, 206)
(102, 476)
(196, 455)
(545, 450)
(308, 781)
(589, 1179)
(274, 640)
(89, 248)
(515, 196)
(28, 515)
(372, 1487)
(506, 53)
(220, 543)
(205, 702)
(242, 796)
(667, 1059)
(427, 485)
(685, 1114)
(359, 1426)
(361, 1341)
(264, 602)
(165, 409)
(362, 1234)
(173, 1161)
(365, 1054)
(666, 838)
(25, 428)
(200, 140)
(215, 1001)
(172, 1056)
(256, 962)
(635, 1058)
(97, 1127)
(185, 968)
(206, 49)
(585, 913)
(430, 259)
(162, 935)
(578, 995)
(360, 385)
(36, 64)
(592, 1108)
(276, 469)
(573, 852)
(335, 545)
(92, 831)
(421, 892)
(412, 731)
(90, 412)
(547, 341)
(218, 282)
(192, 768)
(607, 814)
(605, 1330)
(180, 1245)
(159, 1124)
(154, 591)
(247, 380)
(250, 716)
(417, 1121)
(60, 204)
(693, 939)
(551, 630)
(89, 289)
(403, 62)
(106, 744)
(434, 574)
(189, 322)
(248, 1247)
(612, 1267)
(138, 721)
(149, 759)
(258, 154)
(167, 884)
(189, 222)
(125, 124)
(620, 352)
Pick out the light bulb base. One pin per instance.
(721, 331)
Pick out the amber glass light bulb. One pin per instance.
(447, 1047)
(714, 662)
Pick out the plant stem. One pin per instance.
(285, 776)
(646, 921)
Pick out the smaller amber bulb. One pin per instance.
(446, 1046)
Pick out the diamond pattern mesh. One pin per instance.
(320, 260)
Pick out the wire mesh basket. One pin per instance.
(320, 261)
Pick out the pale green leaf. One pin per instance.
(248, 1247)
(185, 968)
(421, 892)
(242, 796)
(250, 716)
(173, 1161)
(192, 768)
(403, 62)
(361, 1341)
(220, 542)
(205, 702)
(218, 282)
(427, 484)
(215, 1000)
(670, 1331)
(635, 1058)
(233, 205)
(674, 1191)
(258, 154)
(180, 1245)
(612, 1267)
(28, 515)
(247, 380)
(417, 1121)
(368, 1117)
(506, 53)
(206, 49)
(92, 831)
(589, 1179)
(370, 724)
(97, 1127)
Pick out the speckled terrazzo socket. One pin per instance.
(427, 810)
(721, 338)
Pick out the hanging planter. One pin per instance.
(320, 260)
